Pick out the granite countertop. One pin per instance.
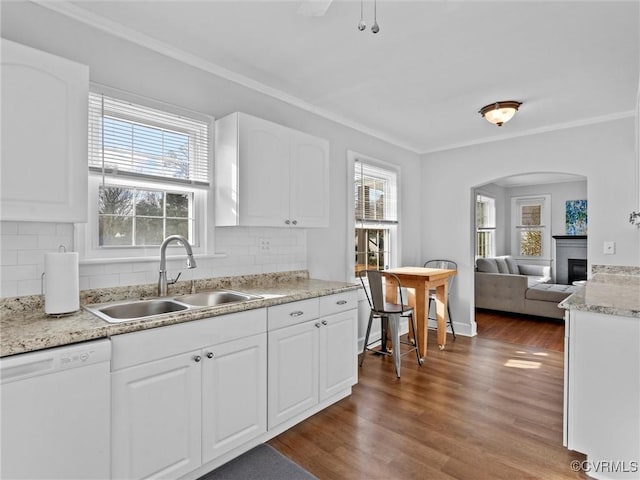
(28, 329)
(615, 293)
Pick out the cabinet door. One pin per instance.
(264, 173)
(156, 415)
(44, 136)
(234, 383)
(293, 371)
(309, 205)
(338, 356)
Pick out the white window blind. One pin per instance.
(375, 194)
(137, 141)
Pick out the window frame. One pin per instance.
(86, 234)
(517, 202)
(493, 230)
(394, 230)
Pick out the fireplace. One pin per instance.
(577, 269)
(569, 249)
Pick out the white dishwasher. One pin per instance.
(55, 413)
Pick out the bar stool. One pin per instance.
(449, 265)
(389, 314)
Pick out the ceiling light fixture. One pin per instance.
(500, 112)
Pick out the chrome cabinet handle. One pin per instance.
(295, 222)
(287, 222)
(317, 325)
(209, 354)
(341, 302)
(297, 313)
(324, 322)
(197, 358)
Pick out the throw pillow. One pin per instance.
(512, 265)
(487, 265)
(501, 263)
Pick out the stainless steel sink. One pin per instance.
(215, 297)
(140, 309)
(123, 312)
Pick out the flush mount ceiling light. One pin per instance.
(500, 112)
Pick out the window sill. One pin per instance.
(96, 261)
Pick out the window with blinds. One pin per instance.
(485, 226)
(376, 215)
(131, 140)
(149, 173)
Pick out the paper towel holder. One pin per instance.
(61, 249)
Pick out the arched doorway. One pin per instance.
(519, 216)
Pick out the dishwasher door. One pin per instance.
(55, 413)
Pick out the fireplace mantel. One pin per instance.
(567, 247)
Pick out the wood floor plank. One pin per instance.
(483, 408)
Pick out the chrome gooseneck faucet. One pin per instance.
(163, 282)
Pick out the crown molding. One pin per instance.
(99, 22)
(536, 131)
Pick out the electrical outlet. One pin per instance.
(264, 244)
(609, 248)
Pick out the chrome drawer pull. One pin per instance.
(341, 302)
(209, 354)
(317, 325)
(296, 313)
(197, 358)
(324, 322)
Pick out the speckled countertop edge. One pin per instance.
(613, 290)
(25, 329)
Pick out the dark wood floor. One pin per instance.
(482, 409)
(521, 329)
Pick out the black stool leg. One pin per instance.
(415, 345)
(451, 321)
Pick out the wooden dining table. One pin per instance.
(419, 281)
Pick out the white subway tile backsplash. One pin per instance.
(25, 243)
(36, 228)
(9, 228)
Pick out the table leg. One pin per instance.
(394, 327)
(441, 309)
(420, 307)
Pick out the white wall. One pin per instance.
(560, 193)
(603, 153)
(124, 65)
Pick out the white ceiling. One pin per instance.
(420, 82)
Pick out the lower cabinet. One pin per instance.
(173, 414)
(311, 361)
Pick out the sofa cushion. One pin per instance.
(487, 265)
(512, 265)
(501, 263)
(550, 292)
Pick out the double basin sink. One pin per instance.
(140, 309)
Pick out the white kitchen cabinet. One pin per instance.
(234, 389)
(156, 418)
(602, 390)
(312, 361)
(269, 175)
(44, 136)
(186, 394)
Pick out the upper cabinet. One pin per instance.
(269, 175)
(44, 136)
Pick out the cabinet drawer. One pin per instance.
(339, 302)
(292, 313)
(147, 345)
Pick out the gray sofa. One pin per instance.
(502, 284)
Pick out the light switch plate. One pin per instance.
(609, 248)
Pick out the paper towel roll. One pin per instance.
(61, 283)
